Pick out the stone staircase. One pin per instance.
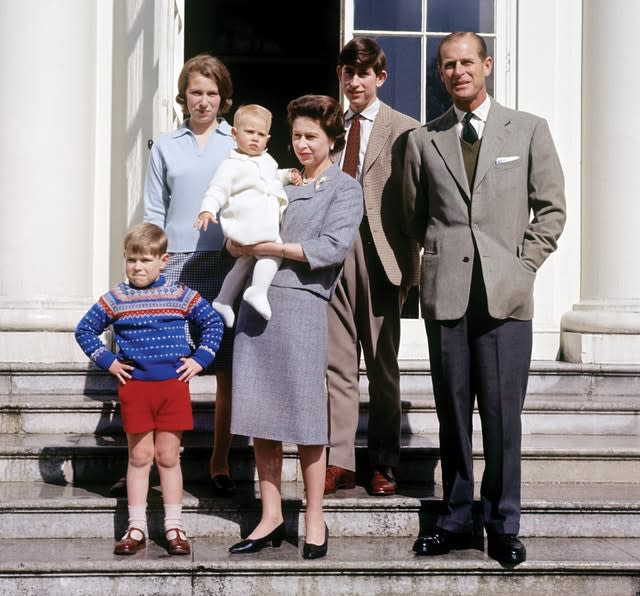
(61, 449)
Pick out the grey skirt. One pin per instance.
(279, 369)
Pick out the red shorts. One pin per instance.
(155, 405)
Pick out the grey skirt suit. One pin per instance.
(279, 365)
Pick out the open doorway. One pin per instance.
(275, 51)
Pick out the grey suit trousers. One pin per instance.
(479, 357)
(364, 317)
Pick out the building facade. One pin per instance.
(87, 83)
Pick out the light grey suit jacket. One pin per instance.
(514, 214)
(324, 217)
(382, 186)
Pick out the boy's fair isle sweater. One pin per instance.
(149, 326)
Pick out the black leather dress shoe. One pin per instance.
(315, 551)
(252, 545)
(506, 549)
(440, 542)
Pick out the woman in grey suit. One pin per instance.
(280, 365)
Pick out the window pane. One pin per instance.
(460, 15)
(403, 65)
(387, 15)
(438, 100)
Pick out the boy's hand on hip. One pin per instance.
(121, 371)
(189, 369)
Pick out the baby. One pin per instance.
(247, 189)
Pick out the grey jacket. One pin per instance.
(324, 217)
(514, 214)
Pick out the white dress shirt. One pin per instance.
(479, 118)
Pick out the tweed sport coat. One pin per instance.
(382, 186)
(514, 214)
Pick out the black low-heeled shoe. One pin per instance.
(252, 545)
(315, 551)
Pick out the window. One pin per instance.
(410, 31)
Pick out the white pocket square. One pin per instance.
(500, 160)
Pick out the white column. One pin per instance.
(548, 85)
(604, 326)
(54, 187)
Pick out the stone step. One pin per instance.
(86, 458)
(40, 510)
(546, 377)
(378, 566)
(543, 414)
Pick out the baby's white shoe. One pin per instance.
(225, 311)
(258, 299)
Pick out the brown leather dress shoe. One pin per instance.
(338, 478)
(383, 481)
(177, 543)
(131, 542)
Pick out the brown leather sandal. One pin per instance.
(131, 542)
(177, 543)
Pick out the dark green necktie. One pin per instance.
(469, 133)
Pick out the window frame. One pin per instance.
(505, 59)
(413, 341)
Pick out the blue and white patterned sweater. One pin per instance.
(149, 326)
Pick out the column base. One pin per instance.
(40, 330)
(39, 347)
(601, 333)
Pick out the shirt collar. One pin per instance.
(369, 113)
(223, 128)
(481, 112)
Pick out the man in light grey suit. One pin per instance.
(364, 313)
(486, 195)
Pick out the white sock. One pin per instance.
(231, 287)
(225, 311)
(257, 298)
(138, 518)
(256, 293)
(173, 517)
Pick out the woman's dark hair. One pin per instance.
(325, 110)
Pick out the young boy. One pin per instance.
(247, 190)
(154, 366)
